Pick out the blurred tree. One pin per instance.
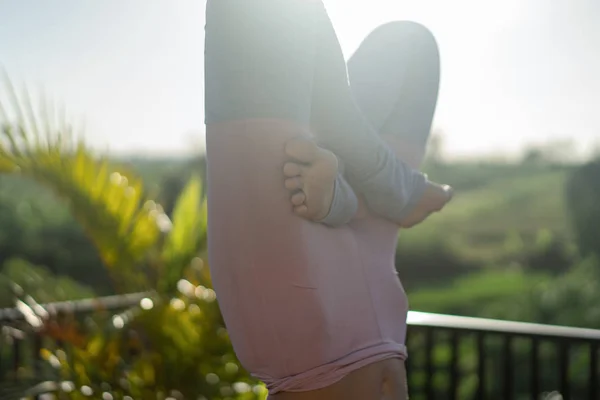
(174, 343)
(550, 254)
(583, 201)
(38, 282)
(435, 263)
(572, 299)
(551, 152)
(173, 183)
(11, 232)
(534, 156)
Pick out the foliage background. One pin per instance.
(520, 242)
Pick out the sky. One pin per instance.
(514, 72)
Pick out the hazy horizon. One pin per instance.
(514, 73)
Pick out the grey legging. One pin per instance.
(281, 59)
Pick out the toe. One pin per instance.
(291, 169)
(298, 198)
(302, 149)
(294, 183)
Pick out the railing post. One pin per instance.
(481, 365)
(593, 378)
(429, 371)
(564, 368)
(508, 368)
(454, 372)
(535, 368)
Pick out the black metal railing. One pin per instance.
(21, 366)
(450, 357)
(473, 358)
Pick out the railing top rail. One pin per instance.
(80, 306)
(416, 318)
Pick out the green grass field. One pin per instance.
(496, 210)
(460, 261)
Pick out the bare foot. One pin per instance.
(434, 199)
(310, 177)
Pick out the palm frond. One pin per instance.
(108, 200)
(187, 235)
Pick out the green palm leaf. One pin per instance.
(109, 201)
(188, 234)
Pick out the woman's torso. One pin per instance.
(296, 296)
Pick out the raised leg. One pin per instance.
(398, 94)
(390, 187)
